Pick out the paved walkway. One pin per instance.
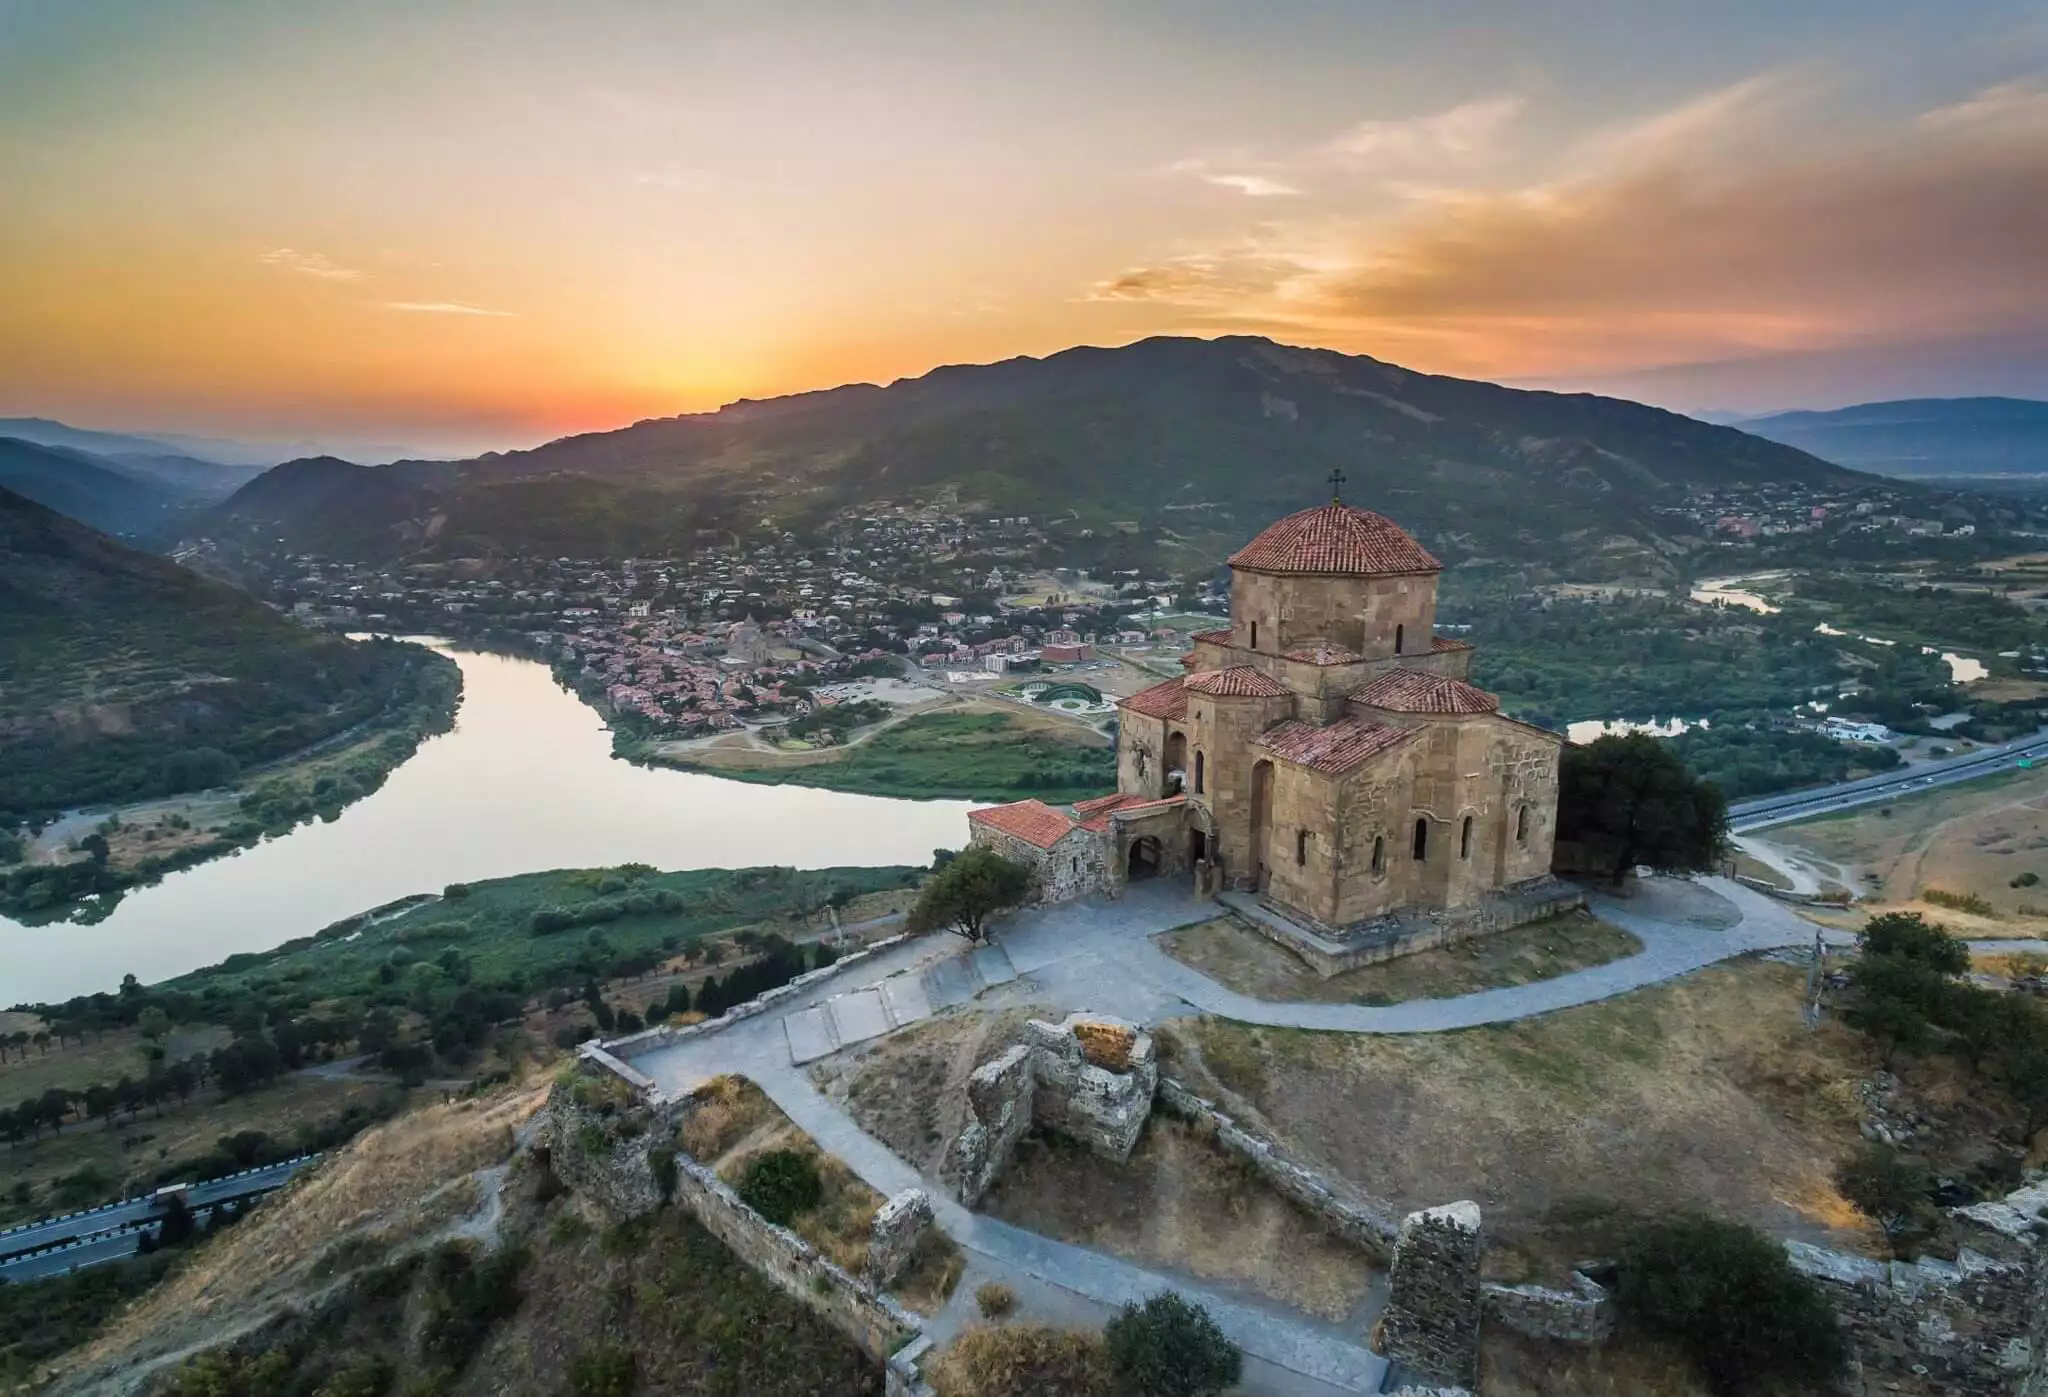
(1100, 955)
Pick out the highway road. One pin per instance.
(1764, 811)
(55, 1245)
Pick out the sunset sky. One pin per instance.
(458, 225)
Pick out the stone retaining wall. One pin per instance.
(1363, 1223)
(1333, 950)
(624, 1050)
(1582, 1315)
(625, 1160)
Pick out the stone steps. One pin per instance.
(855, 1017)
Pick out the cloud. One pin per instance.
(1466, 134)
(447, 308)
(312, 264)
(1694, 234)
(1254, 186)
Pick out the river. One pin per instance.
(525, 781)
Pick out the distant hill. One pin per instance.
(117, 659)
(1181, 444)
(90, 489)
(1921, 436)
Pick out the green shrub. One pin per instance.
(369, 1377)
(780, 1184)
(467, 1297)
(1728, 1296)
(1170, 1347)
(605, 1371)
(1960, 902)
(2024, 880)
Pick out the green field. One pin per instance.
(634, 913)
(953, 756)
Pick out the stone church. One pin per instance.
(1324, 759)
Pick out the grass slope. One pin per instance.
(117, 661)
(951, 756)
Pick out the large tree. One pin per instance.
(1630, 800)
(970, 889)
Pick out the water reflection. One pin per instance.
(525, 781)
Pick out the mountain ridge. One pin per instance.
(1165, 436)
(1917, 438)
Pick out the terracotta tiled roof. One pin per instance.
(1335, 747)
(1239, 681)
(1326, 655)
(1441, 643)
(1413, 691)
(1335, 538)
(1032, 821)
(1101, 810)
(1167, 700)
(1221, 637)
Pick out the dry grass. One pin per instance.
(136, 1149)
(1181, 1204)
(743, 1123)
(1973, 838)
(106, 1058)
(1707, 1092)
(1237, 957)
(388, 1191)
(909, 1089)
(1512, 1366)
(731, 1110)
(1022, 1360)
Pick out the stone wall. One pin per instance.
(1077, 865)
(604, 1145)
(616, 1054)
(899, 1225)
(1348, 1216)
(1054, 1078)
(1332, 951)
(1581, 1315)
(1430, 1330)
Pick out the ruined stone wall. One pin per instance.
(1345, 1213)
(1963, 1328)
(1581, 1315)
(899, 1225)
(604, 1145)
(999, 1096)
(1070, 1077)
(1088, 1091)
(1430, 1330)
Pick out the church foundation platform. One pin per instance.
(1334, 950)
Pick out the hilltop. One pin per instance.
(125, 670)
(1917, 437)
(1191, 440)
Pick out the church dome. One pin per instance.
(1335, 540)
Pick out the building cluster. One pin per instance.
(1773, 508)
(735, 633)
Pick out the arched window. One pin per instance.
(1398, 630)
(1199, 764)
(1421, 846)
(1522, 825)
(1379, 855)
(1255, 635)
(1465, 838)
(1301, 846)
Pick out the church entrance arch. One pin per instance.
(1143, 861)
(1262, 820)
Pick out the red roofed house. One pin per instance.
(1324, 755)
